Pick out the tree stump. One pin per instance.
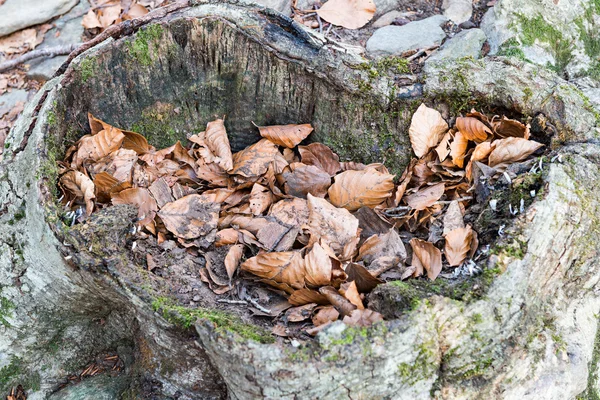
(525, 328)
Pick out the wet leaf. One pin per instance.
(351, 14)
(458, 244)
(512, 150)
(190, 217)
(80, 187)
(427, 256)
(335, 226)
(363, 318)
(355, 189)
(318, 267)
(306, 179)
(140, 198)
(425, 197)
(286, 135)
(283, 267)
(427, 128)
(320, 156)
(233, 258)
(473, 129)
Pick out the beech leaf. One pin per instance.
(140, 198)
(425, 197)
(458, 244)
(511, 150)
(232, 259)
(320, 156)
(190, 217)
(428, 256)
(282, 267)
(427, 128)
(473, 129)
(80, 187)
(351, 14)
(355, 189)
(286, 135)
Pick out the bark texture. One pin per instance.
(531, 335)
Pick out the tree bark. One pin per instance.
(70, 294)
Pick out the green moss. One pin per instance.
(591, 393)
(157, 124)
(349, 336)
(537, 31)
(6, 307)
(510, 48)
(422, 368)
(528, 94)
(480, 367)
(139, 48)
(476, 318)
(88, 68)
(516, 248)
(9, 372)
(224, 322)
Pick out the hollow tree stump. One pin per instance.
(526, 328)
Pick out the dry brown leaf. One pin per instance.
(18, 42)
(355, 189)
(119, 164)
(286, 135)
(427, 128)
(443, 149)
(109, 15)
(80, 187)
(318, 267)
(306, 296)
(136, 142)
(135, 11)
(320, 156)
(190, 217)
(292, 212)
(365, 281)
(453, 219)
(425, 197)
(325, 315)
(282, 267)
(306, 179)
(300, 313)
(260, 200)
(104, 184)
(140, 198)
(458, 148)
(511, 150)
(335, 226)
(91, 21)
(227, 236)
(212, 173)
(279, 330)
(458, 244)
(482, 151)
(388, 244)
(254, 160)
(98, 146)
(350, 292)
(428, 256)
(351, 14)
(217, 143)
(473, 129)
(362, 318)
(233, 258)
(510, 128)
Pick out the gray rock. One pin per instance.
(395, 40)
(465, 44)
(100, 387)
(283, 6)
(19, 14)
(385, 6)
(9, 99)
(70, 32)
(458, 11)
(387, 18)
(306, 4)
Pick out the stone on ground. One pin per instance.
(283, 6)
(395, 40)
(458, 11)
(387, 18)
(69, 31)
(9, 99)
(464, 44)
(18, 14)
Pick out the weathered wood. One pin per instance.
(531, 335)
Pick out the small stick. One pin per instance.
(232, 301)
(261, 308)
(49, 52)
(467, 198)
(320, 22)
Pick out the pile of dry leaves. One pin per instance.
(105, 13)
(295, 217)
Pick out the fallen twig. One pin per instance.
(49, 52)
